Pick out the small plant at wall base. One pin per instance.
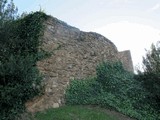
(20, 79)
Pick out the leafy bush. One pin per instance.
(114, 78)
(113, 88)
(82, 92)
(16, 78)
(20, 79)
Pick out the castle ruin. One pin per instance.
(74, 55)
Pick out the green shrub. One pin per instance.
(20, 79)
(113, 88)
(114, 78)
(81, 92)
(17, 77)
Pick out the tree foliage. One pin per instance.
(150, 77)
(8, 11)
(20, 79)
(151, 63)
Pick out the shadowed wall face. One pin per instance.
(126, 59)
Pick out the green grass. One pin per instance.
(73, 113)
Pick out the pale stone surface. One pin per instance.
(55, 105)
(75, 55)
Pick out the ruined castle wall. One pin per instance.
(126, 59)
(74, 55)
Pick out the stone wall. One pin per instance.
(75, 55)
(126, 59)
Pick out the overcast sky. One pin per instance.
(129, 24)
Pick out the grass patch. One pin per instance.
(73, 113)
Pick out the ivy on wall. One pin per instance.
(20, 79)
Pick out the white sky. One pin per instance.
(129, 24)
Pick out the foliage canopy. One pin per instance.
(20, 79)
(150, 77)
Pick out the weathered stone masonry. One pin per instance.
(75, 55)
